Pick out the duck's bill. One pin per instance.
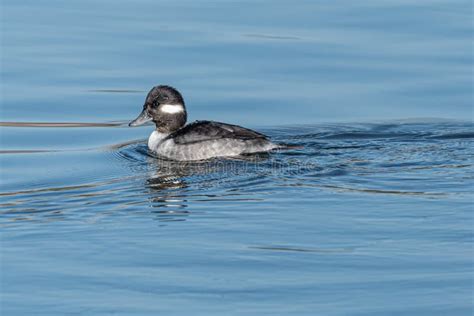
(141, 119)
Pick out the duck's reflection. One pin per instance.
(167, 184)
(166, 189)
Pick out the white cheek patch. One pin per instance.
(172, 108)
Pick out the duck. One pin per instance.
(200, 140)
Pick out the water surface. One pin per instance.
(371, 213)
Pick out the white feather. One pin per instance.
(155, 139)
(171, 108)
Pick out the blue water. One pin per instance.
(371, 215)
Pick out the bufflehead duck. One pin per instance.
(199, 140)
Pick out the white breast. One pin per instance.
(155, 139)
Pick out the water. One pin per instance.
(372, 215)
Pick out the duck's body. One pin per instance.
(200, 140)
(205, 139)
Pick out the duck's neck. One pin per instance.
(155, 138)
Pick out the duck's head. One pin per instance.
(164, 105)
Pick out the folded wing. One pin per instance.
(201, 131)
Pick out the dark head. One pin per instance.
(164, 105)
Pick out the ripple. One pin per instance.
(26, 151)
(61, 124)
(116, 91)
(337, 159)
(464, 135)
(272, 37)
(301, 249)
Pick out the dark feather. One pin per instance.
(201, 131)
